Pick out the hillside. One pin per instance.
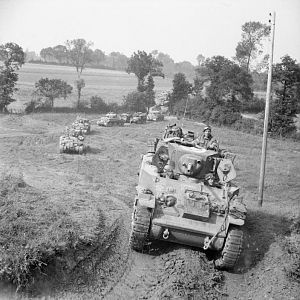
(110, 85)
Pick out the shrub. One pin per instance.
(255, 106)
(221, 115)
(115, 107)
(98, 104)
(30, 106)
(83, 106)
(292, 246)
(249, 126)
(135, 101)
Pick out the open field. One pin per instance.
(96, 191)
(110, 85)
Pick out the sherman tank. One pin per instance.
(110, 120)
(186, 195)
(155, 116)
(126, 117)
(71, 142)
(82, 125)
(138, 118)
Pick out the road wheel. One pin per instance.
(140, 227)
(231, 250)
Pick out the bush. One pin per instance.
(196, 108)
(135, 101)
(98, 104)
(249, 126)
(255, 106)
(30, 106)
(115, 107)
(83, 106)
(221, 115)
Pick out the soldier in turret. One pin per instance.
(206, 140)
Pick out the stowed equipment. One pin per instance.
(71, 142)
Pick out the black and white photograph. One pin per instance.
(149, 149)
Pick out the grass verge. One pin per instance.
(32, 230)
(292, 248)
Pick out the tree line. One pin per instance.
(249, 54)
(97, 58)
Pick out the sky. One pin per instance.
(181, 28)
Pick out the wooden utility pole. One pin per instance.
(267, 108)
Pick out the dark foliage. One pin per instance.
(98, 104)
(223, 115)
(249, 47)
(51, 89)
(143, 65)
(13, 57)
(135, 101)
(283, 110)
(181, 89)
(254, 106)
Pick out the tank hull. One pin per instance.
(187, 232)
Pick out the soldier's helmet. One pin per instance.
(177, 131)
(206, 128)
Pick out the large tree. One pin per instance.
(226, 81)
(47, 54)
(12, 57)
(253, 34)
(143, 65)
(60, 54)
(98, 57)
(200, 59)
(167, 61)
(51, 89)
(79, 54)
(181, 89)
(286, 79)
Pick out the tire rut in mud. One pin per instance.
(168, 271)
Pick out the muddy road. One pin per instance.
(101, 185)
(98, 189)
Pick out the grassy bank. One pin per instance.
(32, 230)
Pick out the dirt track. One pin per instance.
(98, 189)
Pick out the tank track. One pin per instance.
(141, 219)
(231, 250)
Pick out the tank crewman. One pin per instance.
(206, 140)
